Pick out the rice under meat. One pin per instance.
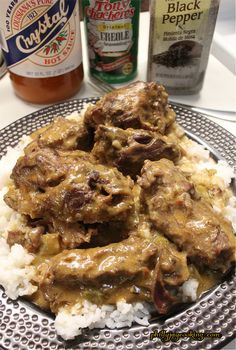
(8, 161)
(189, 290)
(16, 272)
(70, 322)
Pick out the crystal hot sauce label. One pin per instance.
(41, 38)
(112, 34)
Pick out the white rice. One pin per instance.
(223, 170)
(6, 212)
(230, 211)
(189, 290)
(198, 152)
(198, 162)
(70, 322)
(8, 161)
(76, 115)
(16, 271)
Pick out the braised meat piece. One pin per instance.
(170, 201)
(127, 149)
(110, 264)
(139, 106)
(73, 234)
(44, 167)
(127, 263)
(62, 133)
(62, 185)
(108, 232)
(28, 237)
(99, 274)
(170, 273)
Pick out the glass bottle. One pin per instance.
(180, 39)
(42, 48)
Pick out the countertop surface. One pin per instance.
(217, 97)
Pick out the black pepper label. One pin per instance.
(178, 38)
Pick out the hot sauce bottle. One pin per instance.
(112, 28)
(42, 48)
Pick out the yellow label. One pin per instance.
(115, 26)
(127, 68)
(181, 20)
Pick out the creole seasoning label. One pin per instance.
(180, 38)
(112, 35)
(40, 38)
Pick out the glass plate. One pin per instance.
(24, 326)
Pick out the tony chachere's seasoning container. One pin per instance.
(180, 38)
(42, 48)
(112, 28)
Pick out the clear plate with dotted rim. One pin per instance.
(24, 326)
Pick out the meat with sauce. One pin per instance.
(97, 234)
(139, 105)
(170, 273)
(68, 186)
(127, 149)
(72, 235)
(43, 168)
(64, 134)
(130, 263)
(188, 221)
(109, 232)
(28, 237)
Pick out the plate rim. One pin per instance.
(170, 103)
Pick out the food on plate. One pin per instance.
(113, 216)
(128, 149)
(106, 273)
(175, 209)
(60, 185)
(65, 134)
(139, 106)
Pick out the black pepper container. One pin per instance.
(180, 39)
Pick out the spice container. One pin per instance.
(180, 38)
(112, 29)
(42, 48)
